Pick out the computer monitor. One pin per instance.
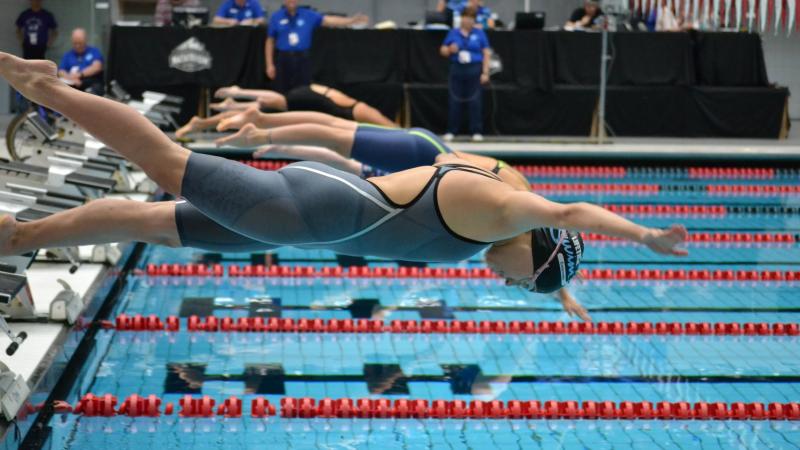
(435, 17)
(529, 20)
(189, 16)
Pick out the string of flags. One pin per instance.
(778, 16)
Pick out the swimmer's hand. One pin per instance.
(667, 242)
(572, 306)
(248, 136)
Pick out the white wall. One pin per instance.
(69, 14)
(782, 55)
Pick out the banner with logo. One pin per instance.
(206, 57)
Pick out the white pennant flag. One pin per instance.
(670, 4)
(763, 13)
(715, 10)
(792, 11)
(696, 10)
(751, 14)
(727, 15)
(687, 9)
(778, 13)
(650, 6)
(738, 14)
(636, 7)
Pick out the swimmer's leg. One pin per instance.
(116, 125)
(274, 120)
(365, 113)
(336, 139)
(97, 222)
(204, 123)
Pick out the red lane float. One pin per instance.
(607, 171)
(668, 210)
(368, 408)
(474, 273)
(728, 238)
(365, 326)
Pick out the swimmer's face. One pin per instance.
(512, 260)
(291, 5)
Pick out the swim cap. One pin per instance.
(554, 269)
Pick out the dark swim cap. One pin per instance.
(563, 265)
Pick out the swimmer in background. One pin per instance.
(316, 97)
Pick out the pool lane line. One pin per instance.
(123, 322)
(368, 408)
(283, 271)
(615, 172)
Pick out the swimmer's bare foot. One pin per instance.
(225, 92)
(8, 231)
(195, 124)
(28, 76)
(249, 115)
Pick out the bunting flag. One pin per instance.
(791, 13)
(650, 7)
(707, 13)
(687, 11)
(636, 6)
(715, 11)
(738, 15)
(750, 6)
(696, 10)
(726, 14)
(763, 14)
(778, 15)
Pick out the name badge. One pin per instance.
(33, 38)
(464, 57)
(294, 39)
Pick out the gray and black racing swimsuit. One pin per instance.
(232, 207)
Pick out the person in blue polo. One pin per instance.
(36, 30)
(239, 12)
(290, 31)
(467, 47)
(82, 67)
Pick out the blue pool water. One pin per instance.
(468, 367)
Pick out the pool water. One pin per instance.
(478, 366)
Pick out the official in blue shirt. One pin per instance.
(36, 30)
(290, 31)
(239, 12)
(82, 67)
(467, 48)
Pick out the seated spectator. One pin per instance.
(453, 5)
(239, 12)
(163, 15)
(82, 67)
(484, 17)
(36, 30)
(586, 16)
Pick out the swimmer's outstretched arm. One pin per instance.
(309, 153)
(97, 222)
(114, 124)
(523, 211)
